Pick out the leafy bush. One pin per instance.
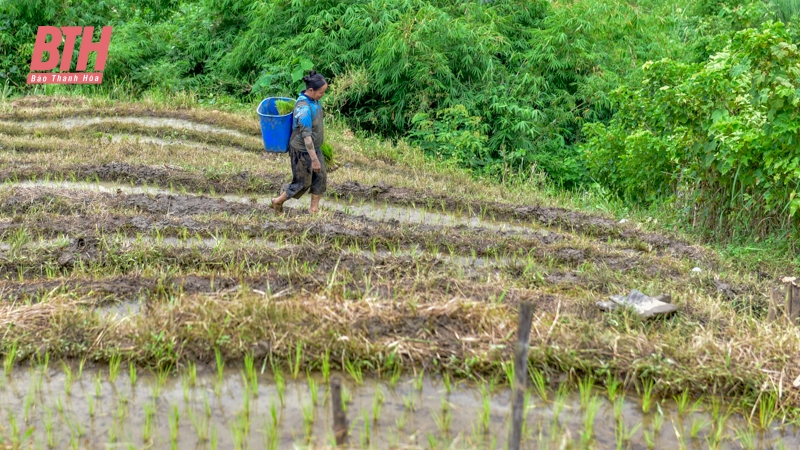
(719, 139)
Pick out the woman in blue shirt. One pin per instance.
(308, 134)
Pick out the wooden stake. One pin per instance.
(520, 373)
(339, 417)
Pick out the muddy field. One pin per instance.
(140, 232)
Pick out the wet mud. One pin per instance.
(269, 184)
(548, 216)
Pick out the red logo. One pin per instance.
(69, 36)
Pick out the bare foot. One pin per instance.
(278, 207)
(313, 210)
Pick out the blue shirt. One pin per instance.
(305, 113)
(307, 121)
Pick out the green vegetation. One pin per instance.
(327, 152)
(284, 107)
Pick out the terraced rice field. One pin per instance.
(140, 236)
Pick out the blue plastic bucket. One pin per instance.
(275, 129)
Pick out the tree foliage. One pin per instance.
(720, 138)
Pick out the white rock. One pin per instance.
(644, 305)
(623, 221)
(697, 270)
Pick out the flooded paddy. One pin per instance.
(118, 406)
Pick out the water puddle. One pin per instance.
(381, 212)
(72, 122)
(52, 408)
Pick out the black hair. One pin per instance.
(314, 80)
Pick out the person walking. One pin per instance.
(308, 134)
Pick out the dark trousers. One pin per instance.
(303, 177)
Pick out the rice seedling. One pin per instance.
(122, 407)
(418, 381)
(98, 383)
(284, 106)
(10, 357)
(280, 381)
(270, 436)
(273, 414)
(367, 433)
(585, 387)
(767, 410)
(377, 403)
(400, 421)
(409, 402)
(132, 373)
(250, 375)
(43, 362)
(185, 387)
(443, 420)
(91, 406)
(682, 402)
(113, 367)
(538, 381)
(80, 367)
(295, 364)
(649, 438)
(192, 371)
(746, 437)
(327, 153)
(354, 370)
(486, 409)
(346, 396)
(149, 414)
(15, 437)
(697, 426)
(432, 441)
(623, 435)
(206, 405)
(47, 421)
(174, 418)
(446, 380)
(68, 377)
(214, 437)
(161, 380)
(112, 434)
(591, 408)
(200, 424)
(613, 384)
(220, 364)
(647, 395)
(313, 389)
(395, 377)
(658, 420)
(308, 418)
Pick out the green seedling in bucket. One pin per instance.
(284, 106)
